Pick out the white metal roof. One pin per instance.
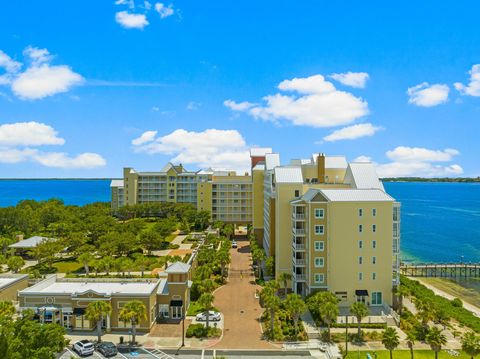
(332, 161)
(178, 267)
(259, 167)
(288, 175)
(104, 287)
(356, 195)
(362, 175)
(31, 242)
(260, 151)
(8, 279)
(272, 160)
(116, 183)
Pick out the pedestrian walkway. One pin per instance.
(310, 326)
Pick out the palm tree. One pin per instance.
(7, 309)
(401, 292)
(471, 344)
(206, 301)
(296, 307)
(107, 264)
(411, 337)
(425, 312)
(223, 257)
(435, 339)
(133, 311)
(390, 340)
(207, 286)
(329, 312)
(271, 302)
(360, 311)
(141, 262)
(85, 259)
(284, 278)
(96, 311)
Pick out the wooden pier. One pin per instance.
(446, 270)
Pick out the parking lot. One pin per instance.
(123, 353)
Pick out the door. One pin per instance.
(176, 312)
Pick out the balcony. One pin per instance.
(298, 246)
(298, 216)
(299, 262)
(299, 231)
(299, 277)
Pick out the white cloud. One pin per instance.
(45, 80)
(36, 55)
(8, 64)
(131, 21)
(209, 148)
(363, 159)
(129, 3)
(353, 132)
(317, 103)
(63, 160)
(473, 87)
(163, 10)
(418, 162)
(28, 134)
(147, 136)
(427, 95)
(192, 106)
(419, 154)
(147, 5)
(40, 79)
(155, 108)
(353, 79)
(18, 142)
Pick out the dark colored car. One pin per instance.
(108, 349)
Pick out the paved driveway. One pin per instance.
(236, 301)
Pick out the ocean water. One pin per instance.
(440, 221)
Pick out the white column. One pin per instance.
(108, 323)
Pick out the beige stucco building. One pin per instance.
(352, 249)
(10, 284)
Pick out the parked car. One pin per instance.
(84, 347)
(108, 349)
(212, 316)
(234, 244)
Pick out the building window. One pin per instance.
(374, 228)
(374, 244)
(319, 278)
(360, 260)
(360, 244)
(319, 230)
(374, 276)
(297, 193)
(376, 298)
(360, 276)
(319, 262)
(374, 260)
(360, 212)
(374, 212)
(319, 246)
(319, 213)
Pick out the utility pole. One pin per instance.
(346, 334)
(183, 331)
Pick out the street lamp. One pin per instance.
(183, 330)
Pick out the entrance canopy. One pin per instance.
(176, 303)
(361, 293)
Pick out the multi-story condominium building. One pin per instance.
(327, 222)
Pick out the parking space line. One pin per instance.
(98, 355)
(72, 353)
(203, 353)
(214, 352)
(123, 356)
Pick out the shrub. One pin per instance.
(457, 302)
(200, 331)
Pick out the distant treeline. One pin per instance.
(422, 179)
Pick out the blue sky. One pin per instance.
(201, 82)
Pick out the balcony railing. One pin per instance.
(298, 261)
(298, 231)
(300, 277)
(298, 216)
(298, 246)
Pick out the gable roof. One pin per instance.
(178, 267)
(288, 175)
(356, 195)
(116, 183)
(31, 242)
(362, 175)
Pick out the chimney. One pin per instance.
(321, 167)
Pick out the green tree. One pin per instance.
(150, 240)
(390, 340)
(47, 251)
(141, 262)
(271, 302)
(400, 292)
(7, 309)
(15, 263)
(206, 301)
(411, 337)
(471, 344)
(329, 313)
(360, 311)
(325, 305)
(4, 243)
(85, 259)
(270, 266)
(207, 286)
(223, 258)
(228, 230)
(435, 339)
(295, 307)
(96, 312)
(106, 264)
(284, 278)
(133, 311)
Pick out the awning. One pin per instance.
(78, 311)
(176, 303)
(361, 293)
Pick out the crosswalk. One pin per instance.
(158, 354)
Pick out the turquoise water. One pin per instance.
(440, 221)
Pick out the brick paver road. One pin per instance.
(236, 300)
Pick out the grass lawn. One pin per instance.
(469, 295)
(68, 265)
(405, 354)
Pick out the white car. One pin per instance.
(212, 316)
(234, 244)
(84, 347)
